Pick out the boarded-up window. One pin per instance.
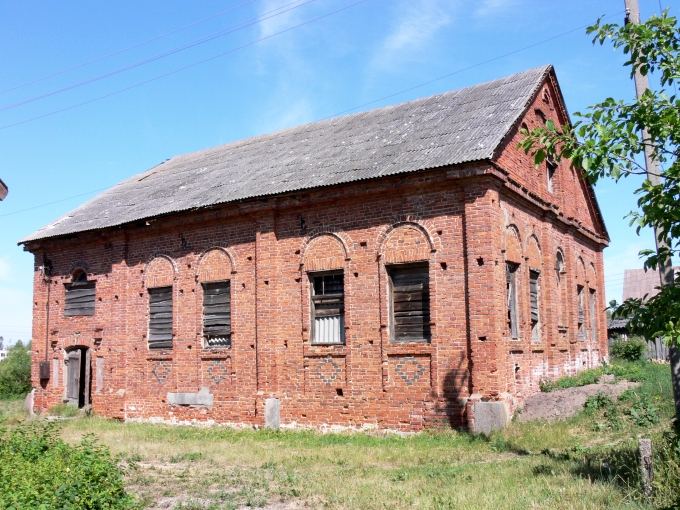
(80, 296)
(534, 297)
(328, 308)
(217, 314)
(581, 317)
(511, 287)
(410, 303)
(593, 315)
(160, 318)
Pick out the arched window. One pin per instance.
(560, 273)
(80, 295)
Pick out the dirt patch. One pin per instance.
(561, 404)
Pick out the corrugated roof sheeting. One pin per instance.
(446, 129)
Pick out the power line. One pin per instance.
(422, 84)
(53, 202)
(216, 35)
(182, 68)
(119, 51)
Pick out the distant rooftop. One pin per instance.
(638, 283)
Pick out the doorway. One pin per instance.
(78, 376)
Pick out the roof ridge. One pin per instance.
(448, 128)
(329, 120)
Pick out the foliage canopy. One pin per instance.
(609, 140)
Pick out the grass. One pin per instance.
(528, 465)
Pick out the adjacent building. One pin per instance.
(402, 268)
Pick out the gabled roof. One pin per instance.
(447, 129)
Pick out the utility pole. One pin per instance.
(666, 276)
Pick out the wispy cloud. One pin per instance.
(283, 63)
(415, 24)
(490, 7)
(4, 269)
(274, 22)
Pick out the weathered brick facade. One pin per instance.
(464, 221)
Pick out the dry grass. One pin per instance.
(529, 465)
(183, 467)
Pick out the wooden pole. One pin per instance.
(654, 176)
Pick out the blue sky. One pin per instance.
(310, 62)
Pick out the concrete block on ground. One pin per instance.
(490, 416)
(272, 413)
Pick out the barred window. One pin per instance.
(160, 318)
(328, 308)
(410, 303)
(80, 296)
(217, 314)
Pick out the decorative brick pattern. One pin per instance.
(161, 371)
(464, 222)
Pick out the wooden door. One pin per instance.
(73, 381)
(86, 382)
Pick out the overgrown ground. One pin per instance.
(571, 464)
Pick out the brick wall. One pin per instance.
(464, 222)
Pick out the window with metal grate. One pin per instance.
(328, 307)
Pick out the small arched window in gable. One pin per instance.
(80, 295)
(540, 116)
(545, 96)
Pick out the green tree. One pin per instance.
(609, 139)
(15, 372)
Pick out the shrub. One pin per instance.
(39, 470)
(589, 376)
(632, 349)
(15, 372)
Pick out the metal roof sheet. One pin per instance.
(446, 129)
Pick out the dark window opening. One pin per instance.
(541, 116)
(534, 299)
(80, 296)
(551, 168)
(560, 271)
(511, 287)
(581, 320)
(217, 314)
(328, 308)
(160, 318)
(410, 303)
(593, 315)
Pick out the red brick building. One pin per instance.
(399, 268)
